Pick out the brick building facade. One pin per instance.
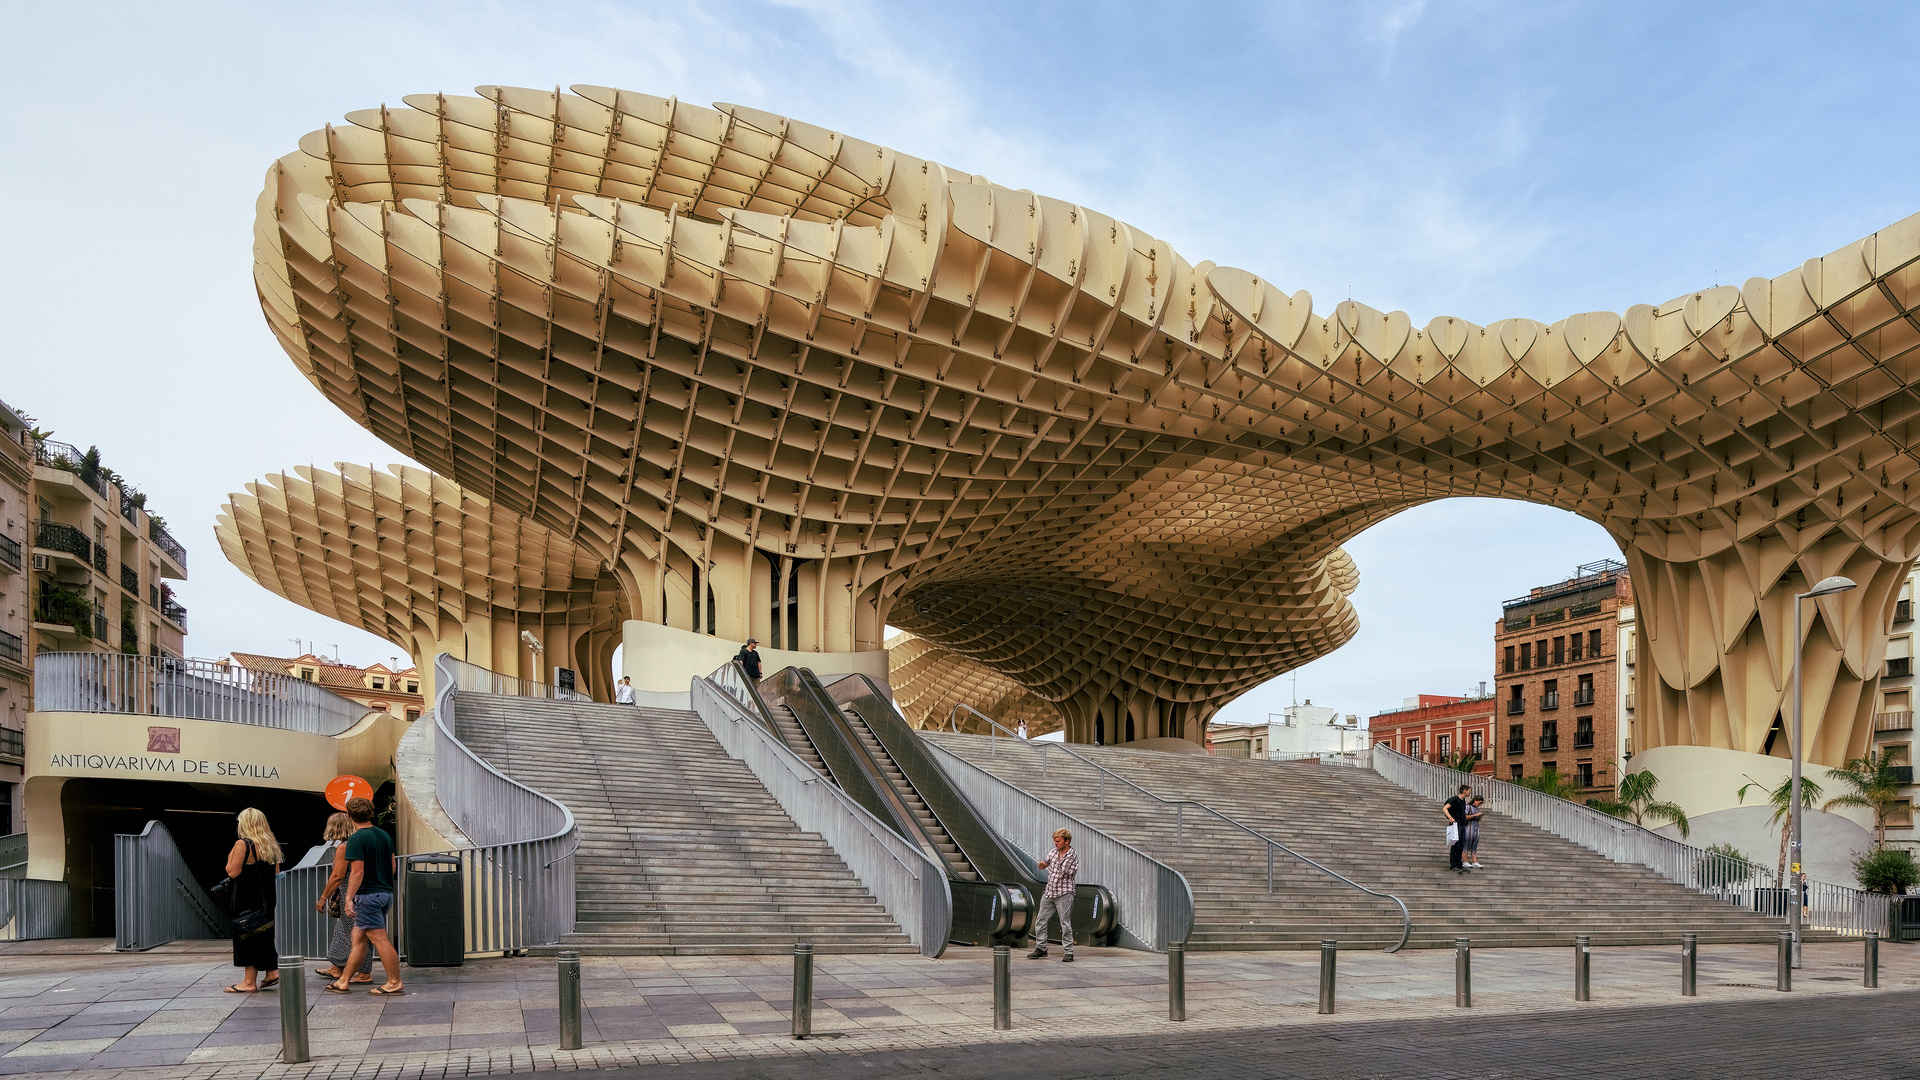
(1438, 728)
(1561, 675)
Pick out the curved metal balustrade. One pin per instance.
(520, 874)
(156, 898)
(189, 689)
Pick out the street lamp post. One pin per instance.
(1796, 876)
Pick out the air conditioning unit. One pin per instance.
(39, 562)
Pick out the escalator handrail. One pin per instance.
(730, 675)
(921, 771)
(886, 802)
(1406, 918)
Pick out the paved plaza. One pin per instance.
(77, 1009)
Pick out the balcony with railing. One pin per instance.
(56, 536)
(173, 613)
(1902, 774)
(12, 648)
(1893, 721)
(1583, 740)
(69, 458)
(1550, 700)
(1516, 706)
(130, 579)
(58, 606)
(1516, 746)
(164, 540)
(1903, 611)
(1899, 666)
(13, 743)
(1583, 696)
(100, 557)
(9, 553)
(1549, 742)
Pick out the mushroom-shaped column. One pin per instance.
(409, 556)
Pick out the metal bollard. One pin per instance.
(1177, 981)
(569, 1000)
(1689, 965)
(1870, 975)
(1329, 949)
(293, 1009)
(1002, 989)
(1783, 980)
(1463, 972)
(1582, 968)
(802, 991)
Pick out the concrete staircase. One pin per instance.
(1537, 889)
(682, 851)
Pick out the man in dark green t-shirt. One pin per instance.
(369, 894)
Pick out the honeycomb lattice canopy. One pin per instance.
(781, 381)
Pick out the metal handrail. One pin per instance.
(1837, 907)
(1179, 805)
(519, 887)
(907, 881)
(93, 682)
(156, 897)
(479, 680)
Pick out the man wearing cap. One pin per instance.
(749, 658)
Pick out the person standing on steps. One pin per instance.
(1470, 849)
(1063, 873)
(369, 896)
(749, 658)
(1456, 811)
(623, 691)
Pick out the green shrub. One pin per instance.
(1732, 868)
(1886, 870)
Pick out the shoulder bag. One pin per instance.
(251, 922)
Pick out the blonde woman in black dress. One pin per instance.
(254, 863)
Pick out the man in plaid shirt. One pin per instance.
(1063, 872)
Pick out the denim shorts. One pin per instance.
(370, 910)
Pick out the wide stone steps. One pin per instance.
(1538, 889)
(682, 851)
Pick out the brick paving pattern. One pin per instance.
(76, 1009)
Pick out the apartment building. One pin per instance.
(1300, 730)
(1561, 654)
(392, 690)
(16, 484)
(1893, 721)
(1441, 729)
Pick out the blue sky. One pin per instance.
(1483, 160)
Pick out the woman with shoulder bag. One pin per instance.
(251, 869)
(340, 945)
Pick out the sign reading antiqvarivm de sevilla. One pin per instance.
(197, 751)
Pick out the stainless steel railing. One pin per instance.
(1154, 901)
(31, 908)
(1747, 884)
(299, 930)
(908, 882)
(156, 899)
(1179, 808)
(478, 680)
(519, 878)
(189, 689)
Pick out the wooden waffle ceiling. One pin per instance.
(721, 345)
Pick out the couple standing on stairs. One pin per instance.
(1463, 829)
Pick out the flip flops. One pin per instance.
(335, 988)
(236, 988)
(381, 991)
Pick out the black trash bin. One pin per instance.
(433, 909)
(1903, 922)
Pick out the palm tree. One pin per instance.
(1875, 787)
(1552, 782)
(1636, 802)
(1780, 797)
(1462, 761)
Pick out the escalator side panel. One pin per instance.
(993, 857)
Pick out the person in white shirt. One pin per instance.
(623, 691)
(1023, 729)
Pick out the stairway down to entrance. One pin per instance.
(682, 851)
(1536, 889)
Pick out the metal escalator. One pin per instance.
(860, 741)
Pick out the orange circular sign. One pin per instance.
(342, 788)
